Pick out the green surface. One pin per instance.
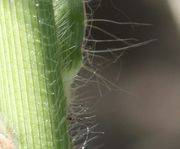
(40, 52)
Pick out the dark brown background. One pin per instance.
(145, 114)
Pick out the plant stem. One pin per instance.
(40, 49)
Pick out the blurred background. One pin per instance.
(136, 92)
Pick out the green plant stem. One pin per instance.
(40, 49)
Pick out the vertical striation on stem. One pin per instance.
(40, 49)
